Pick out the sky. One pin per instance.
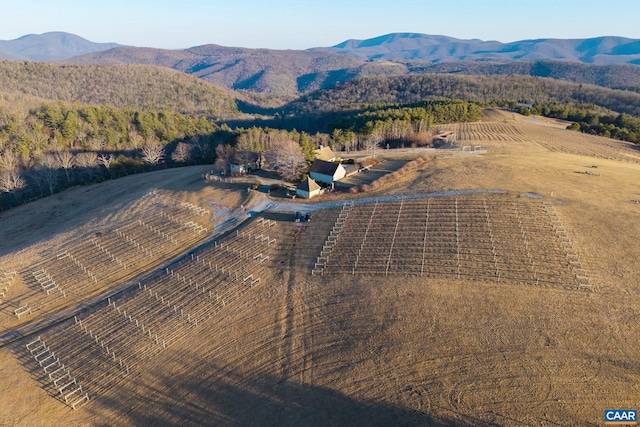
(301, 24)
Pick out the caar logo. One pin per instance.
(620, 417)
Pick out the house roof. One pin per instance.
(324, 153)
(324, 167)
(308, 185)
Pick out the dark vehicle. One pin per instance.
(300, 217)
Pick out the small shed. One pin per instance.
(327, 172)
(308, 189)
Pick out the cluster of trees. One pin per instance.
(399, 125)
(54, 127)
(288, 152)
(618, 126)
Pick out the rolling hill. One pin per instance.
(122, 86)
(616, 76)
(487, 89)
(50, 46)
(411, 320)
(289, 72)
(258, 70)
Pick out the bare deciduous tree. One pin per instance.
(88, 163)
(8, 160)
(67, 161)
(152, 152)
(11, 181)
(183, 153)
(135, 139)
(96, 144)
(48, 172)
(87, 160)
(105, 160)
(285, 156)
(224, 154)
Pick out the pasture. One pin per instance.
(475, 309)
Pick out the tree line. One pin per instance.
(585, 119)
(399, 125)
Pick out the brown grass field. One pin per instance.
(463, 309)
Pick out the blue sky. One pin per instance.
(300, 24)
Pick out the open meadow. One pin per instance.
(156, 300)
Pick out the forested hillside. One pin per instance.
(281, 72)
(617, 76)
(497, 90)
(54, 146)
(122, 86)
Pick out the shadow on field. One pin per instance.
(211, 395)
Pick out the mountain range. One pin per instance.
(411, 46)
(605, 61)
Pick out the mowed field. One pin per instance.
(495, 308)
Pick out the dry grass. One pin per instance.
(389, 178)
(370, 349)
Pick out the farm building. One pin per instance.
(308, 189)
(247, 162)
(327, 172)
(325, 153)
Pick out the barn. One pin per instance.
(327, 172)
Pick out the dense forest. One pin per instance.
(48, 148)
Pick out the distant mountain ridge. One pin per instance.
(291, 72)
(259, 70)
(433, 48)
(52, 46)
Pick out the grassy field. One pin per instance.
(369, 340)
